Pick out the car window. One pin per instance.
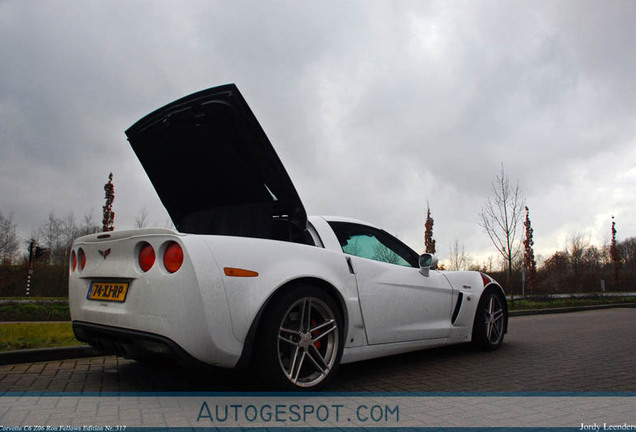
(372, 243)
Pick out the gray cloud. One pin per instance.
(375, 108)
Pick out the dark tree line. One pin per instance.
(581, 267)
(47, 250)
(55, 236)
(9, 239)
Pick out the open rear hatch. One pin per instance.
(215, 170)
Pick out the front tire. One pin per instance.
(302, 340)
(491, 321)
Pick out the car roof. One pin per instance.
(347, 219)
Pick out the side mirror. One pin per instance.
(427, 261)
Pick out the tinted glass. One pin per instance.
(371, 243)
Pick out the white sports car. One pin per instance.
(247, 278)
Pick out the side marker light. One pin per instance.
(237, 272)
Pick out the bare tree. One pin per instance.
(89, 226)
(9, 239)
(577, 253)
(592, 260)
(628, 254)
(49, 235)
(141, 220)
(500, 218)
(57, 235)
(487, 266)
(459, 260)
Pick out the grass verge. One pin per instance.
(15, 336)
(552, 303)
(40, 311)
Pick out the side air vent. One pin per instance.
(350, 266)
(458, 307)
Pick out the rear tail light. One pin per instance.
(73, 260)
(81, 256)
(173, 257)
(146, 257)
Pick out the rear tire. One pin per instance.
(301, 341)
(491, 321)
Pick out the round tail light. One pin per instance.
(81, 256)
(73, 260)
(146, 257)
(173, 257)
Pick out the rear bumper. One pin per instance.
(132, 344)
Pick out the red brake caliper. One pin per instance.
(317, 344)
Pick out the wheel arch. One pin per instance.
(328, 288)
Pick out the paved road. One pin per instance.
(584, 351)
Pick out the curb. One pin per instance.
(47, 354)
(83, 351)
(570, 309)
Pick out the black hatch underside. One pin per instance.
(215, 170)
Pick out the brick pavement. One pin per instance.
(177, 410)
(586, 351)
(579, 352)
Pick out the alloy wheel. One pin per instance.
(308, 338)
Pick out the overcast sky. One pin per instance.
(375, 107)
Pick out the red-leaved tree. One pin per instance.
(429, 243)
(108, 223)
(529, 263)
(615, 257)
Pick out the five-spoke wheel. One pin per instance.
(302, 339)
(490, 321)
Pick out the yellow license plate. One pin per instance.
(108, 291)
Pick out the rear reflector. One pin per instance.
(146, 257)
(237, 272)
(173, 257)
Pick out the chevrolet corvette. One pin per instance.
(246, 278)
